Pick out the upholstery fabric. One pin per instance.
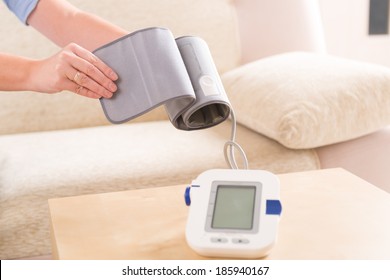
(37, 166)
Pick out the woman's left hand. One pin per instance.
(75, 69)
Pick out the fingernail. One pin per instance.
(108, 95)
(113, 87)
(113, 76)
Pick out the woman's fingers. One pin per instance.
(80, 90)
(90, 73)
(88, 83)
(95, 61)
(89, 66)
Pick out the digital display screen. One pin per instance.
(234, 207)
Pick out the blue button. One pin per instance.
(273, 207)
(187, 197)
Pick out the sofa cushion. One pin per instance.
(305, 100)
(37, 166)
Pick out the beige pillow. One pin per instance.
(305, 100)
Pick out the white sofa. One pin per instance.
(62, 145)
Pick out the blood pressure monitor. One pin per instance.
(233, 213)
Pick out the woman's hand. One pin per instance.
(75, 69)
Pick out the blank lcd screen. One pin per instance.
(234, 207)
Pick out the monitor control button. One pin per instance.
(218, 239)
(240, 241)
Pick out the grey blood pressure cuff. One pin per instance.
(156, 69)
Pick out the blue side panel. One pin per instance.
(273, 207)
(187, 197)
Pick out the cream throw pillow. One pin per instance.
(305, 100)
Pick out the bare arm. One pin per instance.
(74, 68)
(63, 24)
(14, 72)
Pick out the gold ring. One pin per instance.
(76, 76)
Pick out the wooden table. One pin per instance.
(327, 214)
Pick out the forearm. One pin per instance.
(74, 67)
(63, 23)
(15, 72)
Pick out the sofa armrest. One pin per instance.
(368, 157)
